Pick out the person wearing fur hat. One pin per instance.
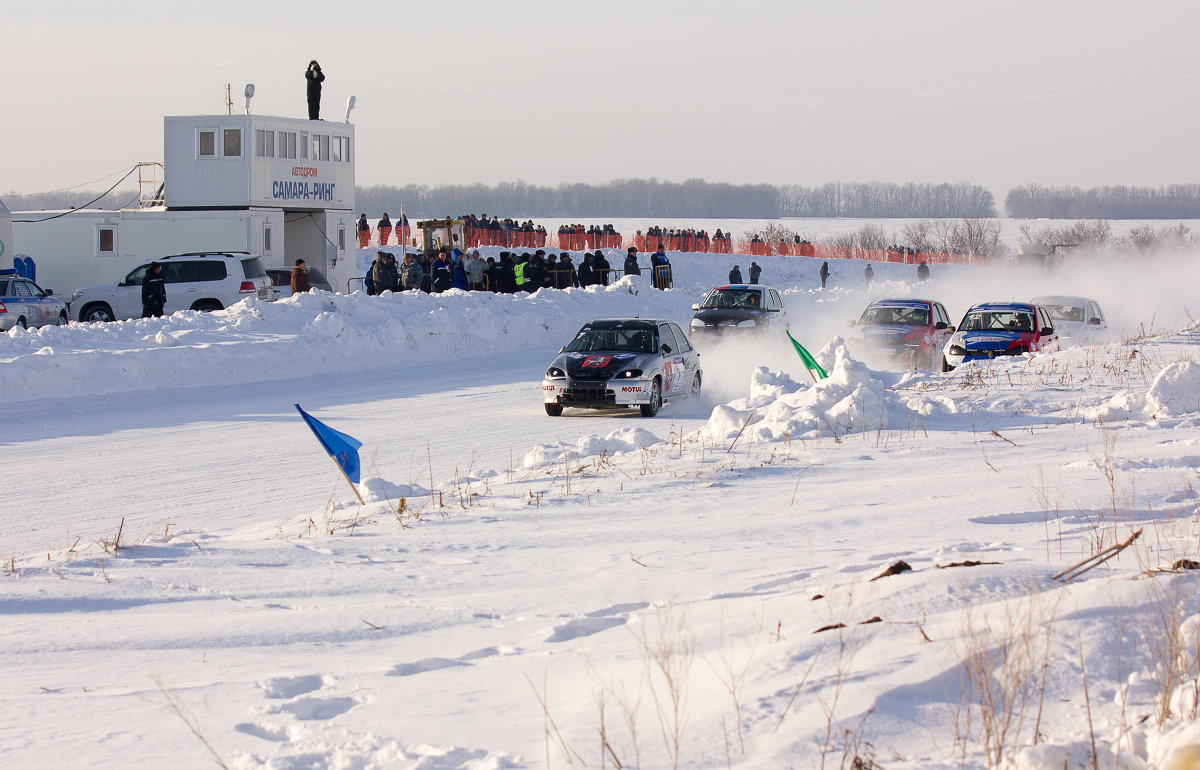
(631, 263)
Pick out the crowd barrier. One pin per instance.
(685, 242)
(477, 237)
(382, 236)
(587, 241)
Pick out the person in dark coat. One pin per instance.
(824, 273)
(869, 275)
(587, 271)
(154, 292)
(735, 275)
(631, 264)
(506, 279)
(755, 272)
(535, 273)
(441, 273)
(566, 277)
(602, 268)
(383, 273)
(922, 271)
(300, 282)
(315, 78)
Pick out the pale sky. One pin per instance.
(994, 92)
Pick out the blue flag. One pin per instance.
(342, 448)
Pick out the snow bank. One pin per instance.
(1175, 392)
(617, 442)
(851, 400)
(318, 333)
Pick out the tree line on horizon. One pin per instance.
(699, 199)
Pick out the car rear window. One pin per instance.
(253, 267)
(3, 288)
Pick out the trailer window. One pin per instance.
(341, 237)
(206, 143)
(321, 147)
(106, 241)
(303, 145)
(264, 143)
(341, 149)
(287, 144)
(266, 239)
(232, 142)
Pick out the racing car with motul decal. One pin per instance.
(620, 363)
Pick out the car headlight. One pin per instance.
(629, 374)
(747, 322)
(697, 323)
(554, 373)
(76, 295)
(957, 350)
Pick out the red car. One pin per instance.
(909, 332)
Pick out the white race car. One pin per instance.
(1079, 318)
(620, 363)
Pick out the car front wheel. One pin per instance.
(696, 385)
(99, 313)
(946, 367)
(651, 409)
(62, 319)
(554, 410)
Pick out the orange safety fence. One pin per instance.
(515, 239)
(586, 241)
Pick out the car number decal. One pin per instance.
(596, 362)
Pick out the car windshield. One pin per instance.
(998, 320)
(907, 316)
(736, 298)
(1064, 312)
(632, 340)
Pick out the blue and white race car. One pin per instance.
(994, 329)
(23, 303)
(621, 363)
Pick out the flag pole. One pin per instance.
(348, 481)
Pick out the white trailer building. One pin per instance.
(282, 188)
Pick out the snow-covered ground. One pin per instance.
(187, 580)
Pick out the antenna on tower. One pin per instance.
(228, 101)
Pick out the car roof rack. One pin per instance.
(215, 253)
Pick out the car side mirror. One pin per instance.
(695, 307)
(1048, 331)
(941, 325)
(1093, 321)
(951, 329)
(666, 349)
(47, 293)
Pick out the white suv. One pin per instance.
(210, 280)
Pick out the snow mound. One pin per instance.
(617, 442)
(851, 400)
(1175, 392)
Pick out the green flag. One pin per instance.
(810, 363)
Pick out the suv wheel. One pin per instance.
(97, 313)
(207, 305)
